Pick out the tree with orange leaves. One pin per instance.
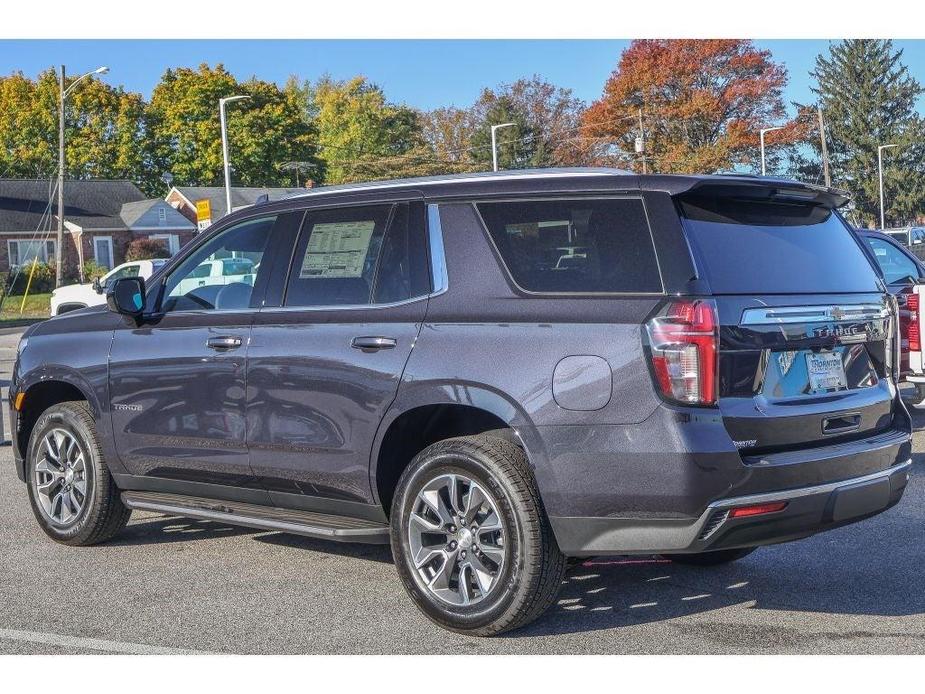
(703, 103)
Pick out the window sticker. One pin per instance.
(337, 249)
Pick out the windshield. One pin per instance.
(769, 247)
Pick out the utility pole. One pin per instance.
(641, 144)
(59, 248)
(825, 150)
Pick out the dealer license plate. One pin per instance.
(826, 371)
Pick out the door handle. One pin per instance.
(373, 344)
(222, 343)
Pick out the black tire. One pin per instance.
(102, 513)
(531, 575)
(716, 558)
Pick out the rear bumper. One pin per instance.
(809, 510)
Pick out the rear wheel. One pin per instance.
(716, 558)
(72, 494)
(471, 541)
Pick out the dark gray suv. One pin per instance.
(492, 372)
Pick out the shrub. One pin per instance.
(43, 279)
(146, 249)
(93, 269)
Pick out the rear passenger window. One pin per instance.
(578, 246)
(359, 255)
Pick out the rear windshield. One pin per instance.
(747, 246)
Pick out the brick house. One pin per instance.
(102, 216)
(184, 199)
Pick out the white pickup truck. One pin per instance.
(72, 297)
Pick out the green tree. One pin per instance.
(104, 133)
(264, 132)
(516, 144)
(548, 119)
(361, 134)
(869, 99)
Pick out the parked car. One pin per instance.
(214, 274)
(73, 297)
(493, 373)
(904, 274)
(907, 236)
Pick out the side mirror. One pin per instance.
(97, 287)
(127, 296)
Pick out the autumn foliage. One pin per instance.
(703, 103)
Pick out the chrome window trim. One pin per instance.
(813, 314)
(341, 307)
(436, 250)
(474, 203)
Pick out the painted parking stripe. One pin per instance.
(92, 644)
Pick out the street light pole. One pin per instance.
(880, 176)
(221, 113)
(59, 246)
(494, 143)
(761, 135)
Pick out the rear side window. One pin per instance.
(759, 246)
(895, 265)
(575, 246)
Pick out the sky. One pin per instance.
(424, 74)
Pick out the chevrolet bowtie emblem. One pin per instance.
(837, 313)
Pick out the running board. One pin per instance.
(319, 525)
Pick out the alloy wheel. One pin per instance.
(61, 477)
(457, 539)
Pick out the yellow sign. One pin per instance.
(203, 210)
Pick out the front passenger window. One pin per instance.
(221, 274)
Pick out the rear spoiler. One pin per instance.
(757, 187)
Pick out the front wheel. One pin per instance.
(72, 493)
(471, 541)
(715, 558)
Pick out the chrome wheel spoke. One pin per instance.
(456, 539)
(481, 573)
(495, 554)
(474, 500)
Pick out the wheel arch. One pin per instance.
(44, 389)
(427, 415)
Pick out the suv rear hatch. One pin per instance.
(806, 347)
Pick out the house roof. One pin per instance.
(135, 215)
(240, 196)
(90, 204)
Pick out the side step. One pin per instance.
(319, 525)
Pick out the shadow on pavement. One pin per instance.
(165, 529)
(872, 568)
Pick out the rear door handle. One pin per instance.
(373, 344)
(223, 343)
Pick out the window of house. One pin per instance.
(575, 246)
(23, 252)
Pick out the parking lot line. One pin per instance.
(79, 642)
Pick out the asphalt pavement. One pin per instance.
(169, 585)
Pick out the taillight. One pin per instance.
(683, 340)
(914, 333)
